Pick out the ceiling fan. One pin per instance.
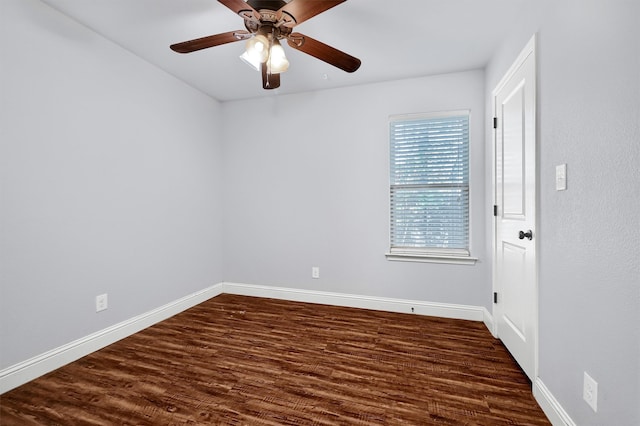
(267, 22)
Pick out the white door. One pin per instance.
(516, 309)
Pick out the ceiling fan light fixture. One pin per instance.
(257, 51)
(247, 59)
(267, 22)
(258, 46)
(277, 62)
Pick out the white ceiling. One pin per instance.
(394, 39)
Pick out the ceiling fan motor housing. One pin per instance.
(267, 4)
(272, 21)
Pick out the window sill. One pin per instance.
(424, 257)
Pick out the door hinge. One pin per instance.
(495, 210)
(495, 297)
(495, 122)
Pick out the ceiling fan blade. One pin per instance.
(323, 52)
(210, 41)
(240, 7)
(301, 10)
(269, 81)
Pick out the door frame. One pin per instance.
(529, 49)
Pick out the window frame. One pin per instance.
(426, 253)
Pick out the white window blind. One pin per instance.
(430, 183)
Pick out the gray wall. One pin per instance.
(110, 183)
(306, 184)
(589, 235)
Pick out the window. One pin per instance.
(429, 187)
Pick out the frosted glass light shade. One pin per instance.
(277, 62)
(257, 51)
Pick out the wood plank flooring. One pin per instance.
(237, 360)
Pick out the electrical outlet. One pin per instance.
(590, 391)
(315, 272)
(101, 302)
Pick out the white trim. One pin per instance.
(431, 258)
(23, 372)
(487, 318)
(550, 405)
(528, 49)
(444, 310)
(427, 115)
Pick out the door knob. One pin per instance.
(528, 234)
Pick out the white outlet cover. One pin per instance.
(315, 272)
(101, 302)
(590, 392)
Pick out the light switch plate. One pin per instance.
(561, 177)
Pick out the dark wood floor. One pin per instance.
(237, 360)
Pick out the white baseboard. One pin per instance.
(30, 369)
(487, 318)
(550, 405)
(445, 310)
